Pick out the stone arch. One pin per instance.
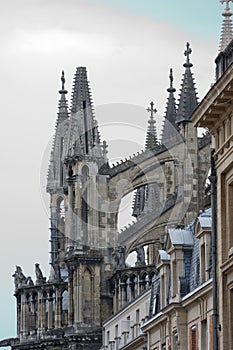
(133, 280)
(151, 275)
(143, 280)
(124, 285)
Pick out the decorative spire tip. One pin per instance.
(227, 8)
(151, 109)
(187, 53)
(171, 88)
(63, 91)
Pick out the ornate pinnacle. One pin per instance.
(226, 35)
(187, 53)
(171, 88)
(63, 91)
(151, 136)
(227, 9)
(151, 109)
(63, 79)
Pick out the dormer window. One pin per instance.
(203, 233)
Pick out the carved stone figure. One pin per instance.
(119, 258)
(39, 275)
(140, 256)
(20, 279)
(55, 273)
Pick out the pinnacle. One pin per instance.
(169, 127)
(226, 32)
(151, 136)
(188, 96)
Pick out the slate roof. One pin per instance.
(181, 237)
(205, 219)
(164, 255)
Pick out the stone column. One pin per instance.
(18, 298)
(58, 311)
(32, 316)
(43, 313)
(21, 327)
(77, 212)
(26, 317)
(71, 297)
(50, 312)
(123, 287)
(75, 296)
(115, 296)
(39, 311)
(69, 225)
(79, 295)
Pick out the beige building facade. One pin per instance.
(216, 113)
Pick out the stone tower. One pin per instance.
(80, 243)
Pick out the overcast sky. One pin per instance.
(128, 47)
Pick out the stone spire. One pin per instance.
(170, 128)
(188, 97)
(226, 33)
(151, 135)
(83, 136)
(57, 153)
(141, 196)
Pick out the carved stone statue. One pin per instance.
(140, 256)
(20, 279)
(119, 258)
(55, 273)
(39, 275)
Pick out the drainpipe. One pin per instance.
(213, 180)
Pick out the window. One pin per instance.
(204, 335)
(175, 340)
(203, 263)
(229, 214)
(174, 278)
(230, 315)
(116, 330)
(193, 338)
(137, 316)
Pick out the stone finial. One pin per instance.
(171, 88)
(187, 53)
(227, 4)
(152, 110)
(63, 91)
(226, 33)
(151, 135)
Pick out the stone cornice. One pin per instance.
(215, 102)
